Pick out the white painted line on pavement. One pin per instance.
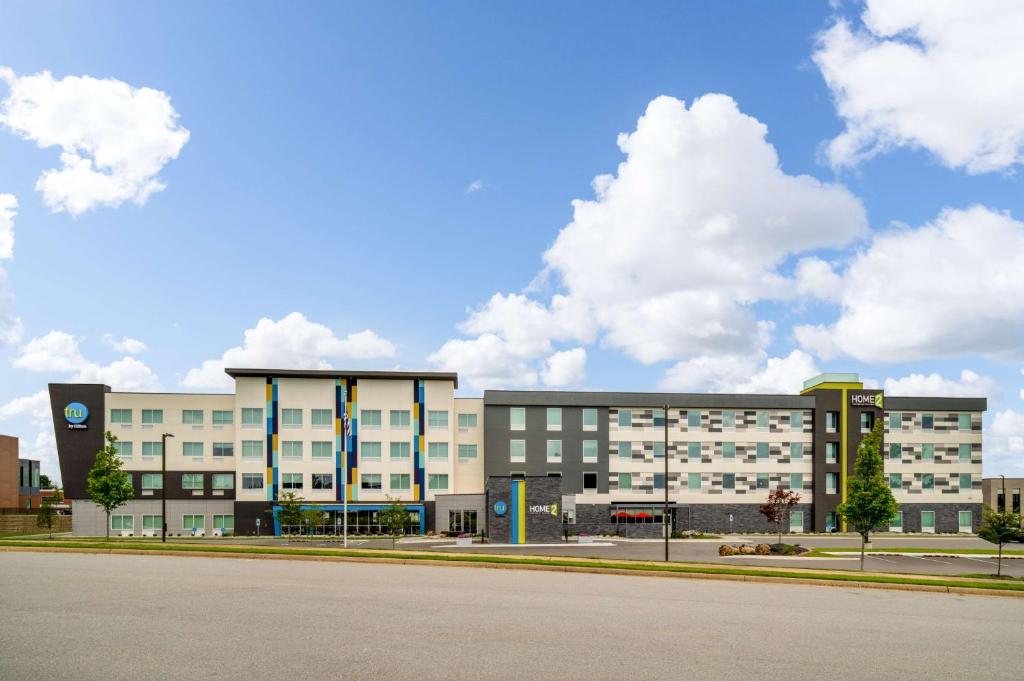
(990, 562)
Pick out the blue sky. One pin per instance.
(331, 169)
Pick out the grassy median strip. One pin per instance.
(578, 563)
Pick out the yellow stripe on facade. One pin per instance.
(337, 426)
(415, 411)
(270, 392)
(270, 476)
(416, 490)
(273, 442)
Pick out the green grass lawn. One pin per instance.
(584, 563)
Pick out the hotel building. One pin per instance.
(523, 465)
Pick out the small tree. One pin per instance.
(311, 517)
(999, 527)
(107, 485)
(44, 481)
(289, 512)
(778, 508)
(395, 518)
(46, 514)
(869, 501)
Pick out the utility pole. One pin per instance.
(163, 486)
(665, 516)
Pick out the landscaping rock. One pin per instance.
(763, 549)
(746, 550)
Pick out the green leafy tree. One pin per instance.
(999, 527)
(869, 501)
(395, 518)
(108, 485)
(44, 482)
(311, 517)
(289, 512)
(46, 514)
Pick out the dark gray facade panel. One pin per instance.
(498, 435)
(554, 398)
(596, 519)
(935, 403)
(541, 527)
(77, 447)
(947, 518)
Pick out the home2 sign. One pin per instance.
(862, 399)
(76, 414)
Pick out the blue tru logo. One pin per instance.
(500, 508)
(76, 415)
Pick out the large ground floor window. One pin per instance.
(360, 522)
(637, 515)
(462, 522)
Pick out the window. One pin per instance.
(192, 481)
(762, 450)
(693, 481)
(965, 451)
(590, 450)
(324, 418)
(895, 420)
(400, 451)
(192, 417)
(370, 451)
(400, 481)
(928, 451)
(122, 523)
(437, 419)
(554, 418)
(291, 449)
(659, 450)
(589, 419)
(467, 452)
(291, 481)
(796, 451)
(223, 448)
(368, 418)
(223, 481)
(517, 451)
(659, 418)
(896, 522)
(729, 450)
(693, 451)
(323, 449)
(194, 449)
(965, 521)
(517, 418)
(554, 451)
(762, 481)
(252, 481)
(831, 483)
(728, 419)
(590, 482)
(796, 420)
(123, 449)
(252, 449)
(291, 417)
(467, 420)
(895, 451)
(659, 481)
(323, 481)
(625, 451)
(223, 417)
(120, 415)
(796, 480)
(437, 482)
(965, 481)
(927, 521)
(152, 481)
(928, 481)
(927, 421)
(399, 418)
(729, 481)
(625, 481)
(762, 420)
(963, 421)
(437, 451)
(895, 481)
(625, 418)
(152, 522)
(193, 522)
(152, 448)
(224, 523)
(252, 416)
(867, 421)
(831, 452)
(831, 421)
(152, 416)
(693, 419)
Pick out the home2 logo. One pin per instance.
(76, 414)
(866, 400)
(545, 508)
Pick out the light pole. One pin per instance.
(163, 486)
(667, 522)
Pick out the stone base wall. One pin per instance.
(26, 524)
(714, 518)
(947, 519)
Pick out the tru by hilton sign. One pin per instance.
(866, 400)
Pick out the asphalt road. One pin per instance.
(150, 617)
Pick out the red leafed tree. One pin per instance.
(778, 507)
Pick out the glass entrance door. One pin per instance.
(928, 521)
(966, 524)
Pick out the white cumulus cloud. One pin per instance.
(944, 75)
(56, 351)
(129, 346)
(1004, 444)
(952, 287)
(8, 211)
(114, 138)
(292, 342)
(742, 374)
(970, 384)
(36, 407)
(566, 368)
(126, 374)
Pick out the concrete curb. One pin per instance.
(933, 588)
